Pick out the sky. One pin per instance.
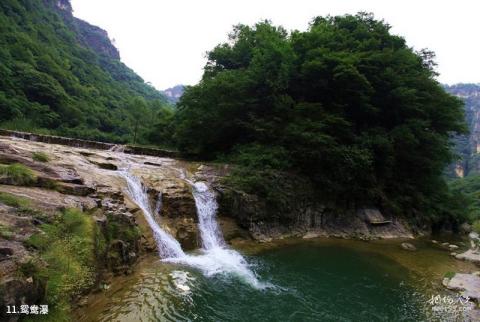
(165, 42)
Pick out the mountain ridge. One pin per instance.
(62, 75)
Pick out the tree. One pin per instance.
(345, 103)
(138, 114)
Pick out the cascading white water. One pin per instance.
(216, 257)
(168, 247)
(206, 204)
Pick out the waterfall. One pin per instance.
(168, 247)
(206, 204)
(216, 258)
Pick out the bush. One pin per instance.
(40, 157)
(5, 232)
(449, 275)
(476, 226)
(67, 246)
(13, 201)
(468, 195)
(18, 174)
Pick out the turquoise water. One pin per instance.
(304, 282)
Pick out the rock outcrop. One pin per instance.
(89, 35)
(467, 284)
(86, 180)
(470, 256)
(301, 215)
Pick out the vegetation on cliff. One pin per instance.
(61, 75)
(67, 262)
(345, 103)
(466, 146)
(468, 192)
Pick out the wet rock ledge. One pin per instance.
(65, 208)
(89, 144)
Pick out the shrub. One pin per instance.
(18, 174)
(13, 201)
(40, 157)
(449, 275)
(5, 232)
(67, 246)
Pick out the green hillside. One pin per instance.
(61, 75)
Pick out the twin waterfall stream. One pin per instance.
(215, 257)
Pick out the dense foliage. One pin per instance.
(67, 246)
(345, 103)
(51, 81)
(467, 191)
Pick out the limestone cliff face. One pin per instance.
(468, 146)
(174, 93)
(300, 214)
(96, 38)
(89, 35)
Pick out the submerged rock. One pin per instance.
(408, 246)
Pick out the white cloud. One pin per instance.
(166, 41)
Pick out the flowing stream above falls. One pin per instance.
(215, 257)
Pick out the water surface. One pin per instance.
(302, 281)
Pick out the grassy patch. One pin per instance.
(13, 201)
(22, 205)
(115, 230)
(18, 174)
(67, 246)
(449, 275)
(5, 232)
(40, 157)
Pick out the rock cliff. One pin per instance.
(468, 146)
(89, 35)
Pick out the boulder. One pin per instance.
(465, 228)
(373, 216)
(467, 284)
(470, 256)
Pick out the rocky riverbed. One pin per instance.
(34, 193)
(41, 182)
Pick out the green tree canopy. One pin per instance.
(345, 103)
